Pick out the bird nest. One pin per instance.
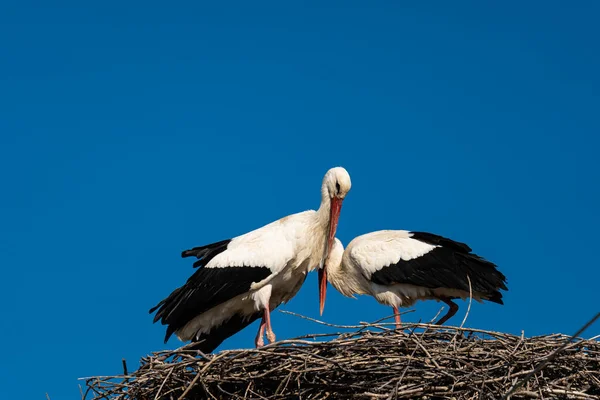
(371, 361)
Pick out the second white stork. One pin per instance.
(400, 267)
(242, 279)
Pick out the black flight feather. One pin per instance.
(445, 267)
(206, 288)
(206, 253)
(208, 342)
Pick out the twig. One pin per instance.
(436, 315)
(542, 364)
(362, 324)
(470, 300)
(319, 322)
(198, 375)
(163, 384)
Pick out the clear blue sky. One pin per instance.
(132, 131)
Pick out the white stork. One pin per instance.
(244, 278)
(400, 267)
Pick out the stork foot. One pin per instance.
(259, 336)
(271, 336)
(259, 342)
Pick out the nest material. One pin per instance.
(423, 361)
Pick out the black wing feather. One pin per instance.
(438, 240)
(205, 289)
(445, 267)
(206, 253)
(208, 342)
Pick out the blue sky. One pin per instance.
(130, 132)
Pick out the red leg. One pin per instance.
(397, 317)
(270, 333)
(259, 336)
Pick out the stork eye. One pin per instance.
(337, 187)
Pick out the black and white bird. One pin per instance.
(400, 267)
(242, 279)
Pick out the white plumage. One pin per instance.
(400, 267)
(375, 250)
(242, 279)
(255, 248)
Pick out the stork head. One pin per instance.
(334, 260)
(336, 183)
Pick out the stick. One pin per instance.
(541, 365)
(469, 306)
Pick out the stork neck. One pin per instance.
(335, 277)
(344, 280)
(323, 214)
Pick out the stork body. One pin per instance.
(399, 268)
(242, 279)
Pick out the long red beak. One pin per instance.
(334, 216)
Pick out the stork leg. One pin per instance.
(397, 317)
(259, 336)
(270, 333)
(453, 309)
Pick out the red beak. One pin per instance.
(334, 216)
(322, 288)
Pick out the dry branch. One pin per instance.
(422, 361)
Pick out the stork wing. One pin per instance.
(205, 289)
(428, 260)
(226, 269)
